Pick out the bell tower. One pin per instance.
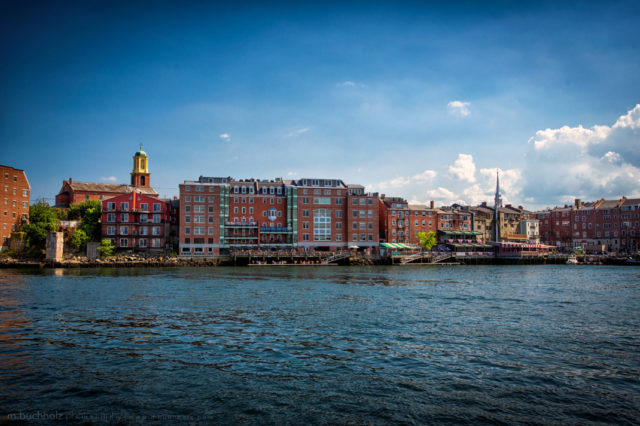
(140, 173)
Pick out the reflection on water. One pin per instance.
(322, 344)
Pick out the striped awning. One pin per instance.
(395, 245)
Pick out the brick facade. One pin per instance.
(136, 221)
(303, 214)
(14, 211)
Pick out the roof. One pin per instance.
(108, 188)
(140, 153)
(608, 204)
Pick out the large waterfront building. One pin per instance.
(16, 193)
(76, 192)
(218, 214)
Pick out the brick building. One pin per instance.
(400, 222)
(614, 224)
(77, 192)
(221, 213)
(136, 221)
(16, 193)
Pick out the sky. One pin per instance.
(414, 99)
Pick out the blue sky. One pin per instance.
(412, 99)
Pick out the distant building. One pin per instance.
(16, 193)
(218, 214)
(136, 221)
(77, 192)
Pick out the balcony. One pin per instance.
(242, 224)
(275, 230)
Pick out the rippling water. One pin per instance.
(546, 344)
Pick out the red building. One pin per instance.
(136, 221)
(16, 193)
(218, 214)
(77, 192)
(400, 222)
(614, 224)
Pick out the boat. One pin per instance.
(572, 260)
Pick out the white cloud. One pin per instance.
(347, 83)
(407, 184)
(109, 179)
(298, 132)
(459, 108)
(225, 137)
(510, 187)
(443, 195)
(463, 168)
(612, 157)
(292, 173)
(586, 163)
(426, 176)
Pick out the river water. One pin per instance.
(423, 344)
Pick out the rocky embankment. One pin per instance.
(109, 262)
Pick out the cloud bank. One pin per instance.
(586, 163)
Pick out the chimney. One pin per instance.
(484, 204)
(431, 204)
(508, 206)
(70, 180)
(520, 208)
(382, 196)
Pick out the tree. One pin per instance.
(89, 213)
(42, 219)
(78, 239)
(427, 241)
(106, 247)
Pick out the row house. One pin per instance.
(16, 193)
(614, 224)
(221, 213)
(136, 221)
(400, 222)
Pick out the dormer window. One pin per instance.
(236, 189)
(271, 190)
(264, 189)
(244, 189)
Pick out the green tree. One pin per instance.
(89, 213)
(42, 219)
(106, 247)
(78, 239)
(427, 241)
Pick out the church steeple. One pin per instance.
(140, 173)
(496, 209)
(498, 197)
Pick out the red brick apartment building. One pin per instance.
(16, 193)
(77, 192)
(612, 223)
(400, 222)
(221, 213)
(136, 221)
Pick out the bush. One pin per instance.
(106, 248)
(78, 239)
